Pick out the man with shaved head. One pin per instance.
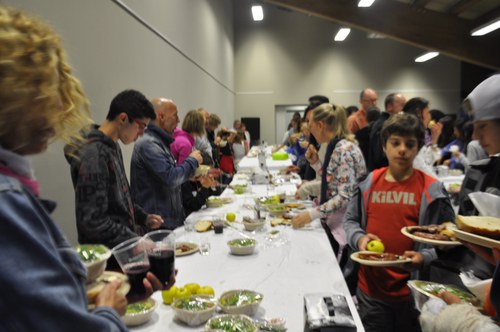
(155, 178)
(357, 120)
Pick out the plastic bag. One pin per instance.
(486, 204)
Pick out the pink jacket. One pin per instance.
(182, 146)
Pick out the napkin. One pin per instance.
(480, 288)
(487, 204)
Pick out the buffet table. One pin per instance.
(283, 268)
(251, 161)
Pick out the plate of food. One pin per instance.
(480, 230)
(432, 289)
(372, 258)
(185, 248)
(437, 235)
(218, 201)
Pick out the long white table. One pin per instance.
(301, 262)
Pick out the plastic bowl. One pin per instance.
(242, 246)
(194, 315)
(253, 225)
(133, 319)
(95, 257)
(277, 210)
(244, 323)
(202, 170)
(238, 302)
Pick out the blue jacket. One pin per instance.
(42, 278)
(435, 208)
(156, 180)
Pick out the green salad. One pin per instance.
(91, 252)
(242, 242)
(193, 304)
(240, 297)
(139, 307)
(435, 289)
(232, 324)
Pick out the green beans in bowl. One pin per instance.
(94, 256)
(242, 246)
(240, 301)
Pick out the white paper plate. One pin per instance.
(440, 243)
(355, 257)
(194, 248)
(476, 239)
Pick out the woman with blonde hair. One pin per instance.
(40, 101)
(192, 126)
(342, 167)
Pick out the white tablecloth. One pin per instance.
(251, 163)
(300, 262)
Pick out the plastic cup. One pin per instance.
(133, 259)
(160, 246)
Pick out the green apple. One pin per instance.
(375, 245)
(230, 217)
(206, 290)
(182, 293)
(168, 295)
(192, 287)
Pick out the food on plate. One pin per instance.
(454, 188)
(185, 247)
(294, 205)
(480, 225)
(280, 221)
(433, 232)
(194, 303)
(375, 245)
(203, 225)
(243, 246)
(266, 200)
(242, 242)
(217, 201)
(434, 289)
(94, 288)
(378, 256)
(231, 323)
(239, 188)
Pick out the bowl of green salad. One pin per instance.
(242, 246)
(139, 312)
(231, 323)
(240, 302)
(195, 309)
(94, 256)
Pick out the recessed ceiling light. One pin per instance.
(486, 28)
(426, 56)
(342, 34)
(365, 3)
(257, 13)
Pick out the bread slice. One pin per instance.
(202, 225)
(480, 225)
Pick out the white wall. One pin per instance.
(290, 56)
(110, 51)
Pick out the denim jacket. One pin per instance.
(42, 278)
(156, 180)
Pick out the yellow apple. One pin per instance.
(206, 290)
(230, 217)
(168, 295)
(192, 287)
(375, 245)
(182, 293)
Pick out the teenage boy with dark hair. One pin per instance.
(389, 199)
(105, 212)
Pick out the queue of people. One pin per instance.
(42, 100)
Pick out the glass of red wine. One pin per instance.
(160, 246)
(133, 259)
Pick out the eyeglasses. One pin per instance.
(142, 125)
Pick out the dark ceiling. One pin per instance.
(434, 25)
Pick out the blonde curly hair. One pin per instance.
(36, 83)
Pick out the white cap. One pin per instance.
(484, 100)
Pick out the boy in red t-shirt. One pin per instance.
(389, 199)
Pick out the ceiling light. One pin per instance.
(342, 34)
(426, 56)
(486, 28)
(365, 3)
(257, 13)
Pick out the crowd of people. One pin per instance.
(370, 173)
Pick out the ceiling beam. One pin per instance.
(426, 29)
(420, 3)
(487, 17)
(461, 6)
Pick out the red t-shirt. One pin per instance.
(391, 206)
